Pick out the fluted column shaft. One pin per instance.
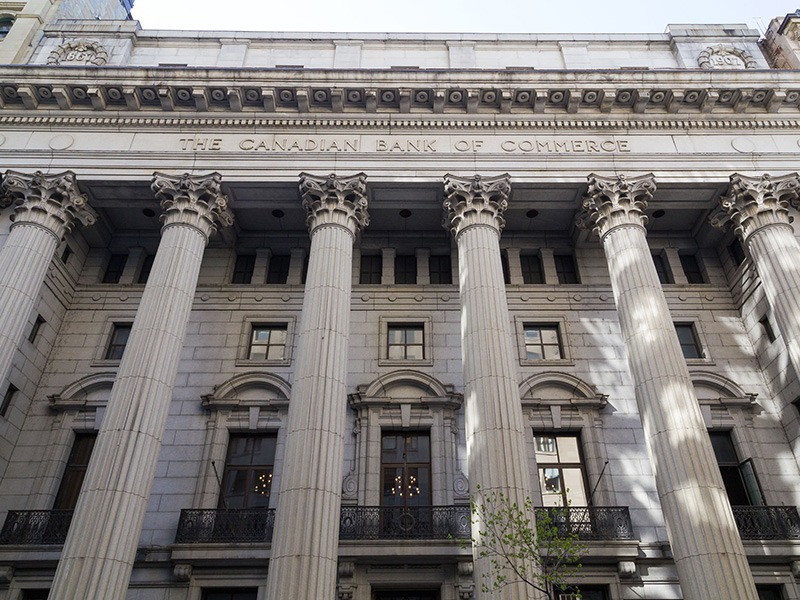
(757, 207)
(98, 555)
(497, 457)
(46, 207)
(708, 552)
(306, 539)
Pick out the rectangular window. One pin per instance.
(542, 342)
(278, 271)
(243, 269)
(562, 477)
(531, 268)
(740, 478)
(587, 592)
(77, 463)
(268, 342)
(305, 270)
(405, 269)
(505, 267)
(441, 270)
(406, 469)
(371, 269)
(661, 268)
(688, 340)
(147, 266)
(736, 252)
(67, 252)
(35, 594)
(407, 595)
(406, 341)
(769, 592)
(230, 594)
(115, 267)
(7, 398)
(37, 325)
(118, 341)
(767, 328)
(565, 268)
(691, 268)
(247, 479)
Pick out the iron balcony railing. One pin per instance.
(767, 522)
(255, 525)
(36, 527)
(225, 525)
(588, 523)
(404, 523)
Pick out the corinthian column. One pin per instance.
(495, 432)
(758, 209)
(101, 545)
(306, 539)
(45, 210)
(708, 552)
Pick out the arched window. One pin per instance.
(5, 26)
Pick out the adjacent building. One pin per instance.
(274, 305)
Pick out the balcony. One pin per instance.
(589, 523)
(225, 525)
(398, 523)
(255, 525)
(767, 522)
(36, 527)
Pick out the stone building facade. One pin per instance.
(274, 305)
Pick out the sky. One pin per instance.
(445, 16)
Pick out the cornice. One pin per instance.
(391, 123)
(446, 94)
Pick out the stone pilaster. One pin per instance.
(705, 542)
(114, 496)
(758, 209)
(497, 459)
(45, 210)
(306, 539)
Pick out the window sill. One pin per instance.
(547, 362)
(247, 362)
(386, 362)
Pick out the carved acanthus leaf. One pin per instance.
(614, 201)
(51, 201)
(334, 200)
(475, 200)
(753, 202)
(195, 200)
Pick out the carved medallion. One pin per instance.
(79, 52)
(726, 57)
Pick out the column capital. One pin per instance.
(52, 202)
(335, 200)
(614, 201)
(475, 200)
(755, 202)
(194, 200)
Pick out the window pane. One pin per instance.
(531, 269)
(550, 482)
(533, 353)
(418, 448)
(241, 450)
(549, 335)
(275, 353)
(261, 334)
(414, 336)
(573, 484)
(278, 336)
(258, 353)
(414, 353)
(568, 450)
(418, 486)
(396, 336)
(393, 486)
(278, 269)
(264, 450)
(392, 449)
(260, 488)
(552, 353)
(532, 336)
(723, 447)
(397, 352)
(691, 268)
(234, 488)
(545, 448)
(748, 474)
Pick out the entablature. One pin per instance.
(376, 91)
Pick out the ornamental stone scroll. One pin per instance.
(79, 52)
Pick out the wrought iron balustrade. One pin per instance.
(36, 527)
(225, 525)
(767, 522)
(404, 523)
(588, 523)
